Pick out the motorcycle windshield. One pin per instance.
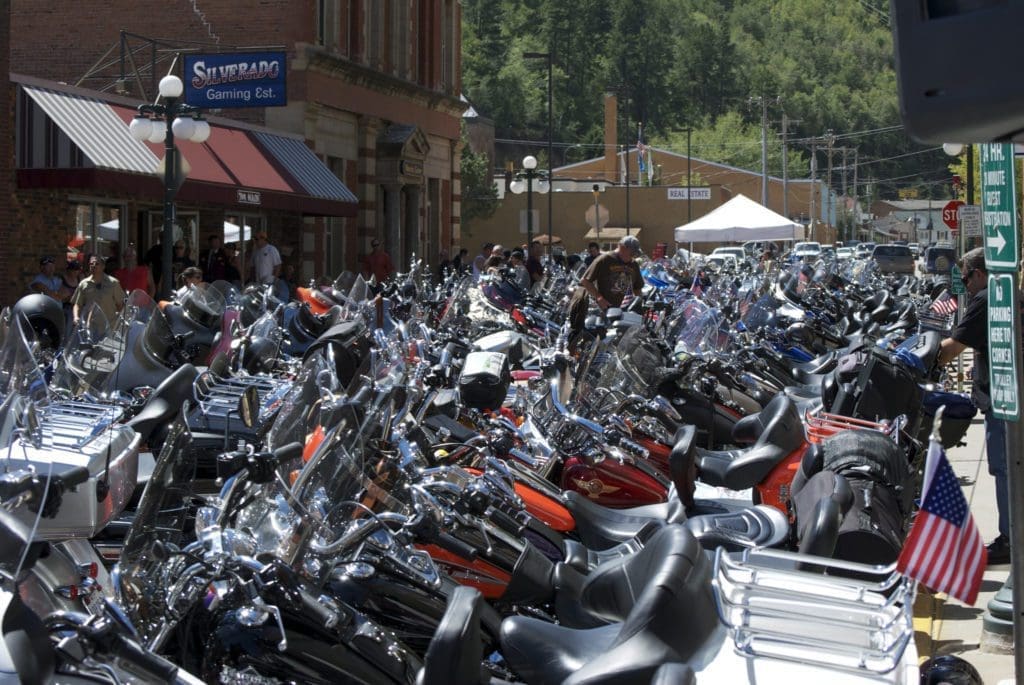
(92, 352)
(229, 293)
(160, 523)
(157, 336)
(344, 282)
(700, 333)
(267, 328)
(21, 380)
(203, 304)
(758, 313)
(300, 405)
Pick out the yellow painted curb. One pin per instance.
(927, 620)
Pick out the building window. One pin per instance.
(96, 230)
(400, 44)
(375, 34)
(448, 47)
(327, 23)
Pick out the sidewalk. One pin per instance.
(944, 625)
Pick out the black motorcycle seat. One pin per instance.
(676, 583)
(600, 527)
(165, 402)
(674, 674)
(757, 526)
(741, 469)
(456, 650)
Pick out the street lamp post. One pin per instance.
(524, 182)
(547, 56)
(179, 120)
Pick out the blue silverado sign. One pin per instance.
(239, 79)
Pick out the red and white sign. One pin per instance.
(951, 214)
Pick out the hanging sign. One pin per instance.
(236, 79)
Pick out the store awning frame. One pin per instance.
(295, 178)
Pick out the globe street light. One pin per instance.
(179, 120)
(524, 181)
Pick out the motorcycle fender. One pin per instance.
(611, 483)
(316, 305)
(774, 490)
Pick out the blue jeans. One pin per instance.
(995, 448)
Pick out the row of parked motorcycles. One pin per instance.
(437, 482)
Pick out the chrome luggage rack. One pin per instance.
(72, 424)
(774, 606)
(219, 398)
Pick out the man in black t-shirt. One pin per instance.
(608, 280)
(972, 331)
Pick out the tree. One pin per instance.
(479, 196)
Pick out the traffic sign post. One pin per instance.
(999, 207)
(951, 214)
(1003, 346)
(970, 221)
(956, 281)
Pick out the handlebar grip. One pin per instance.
(286, 453)
(312, 606)
(505, 522)
(73, 477)
(144, 663)
(455, 546)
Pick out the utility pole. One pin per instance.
(814, 184)
(844, 149)
(689, 196)
(856, 213)
(786, 121)
(830, 140)
(764, 150)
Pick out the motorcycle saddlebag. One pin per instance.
(956, 419)
(869, 386)
(484, 381)
(871, 455)
(873, 531)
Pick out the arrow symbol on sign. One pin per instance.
(998, 242)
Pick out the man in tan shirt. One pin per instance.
(98, 288)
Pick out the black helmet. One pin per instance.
(949, 669)
(45, 316)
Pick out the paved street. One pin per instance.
(945, 625)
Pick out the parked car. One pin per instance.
(807, 251)
(893, 259)
(863, 250)
(844, 253)
(736, 252)
(915, 249)
(939, 259)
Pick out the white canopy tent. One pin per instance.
(738, 220)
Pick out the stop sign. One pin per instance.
(951, 214)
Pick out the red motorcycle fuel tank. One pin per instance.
(612, 483)
(542, 507)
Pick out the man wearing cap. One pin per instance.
(98, 288)
(378, 262)
(972, 331)
(266, 260)
(46, 281)
(608, 280)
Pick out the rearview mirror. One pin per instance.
(249, 406)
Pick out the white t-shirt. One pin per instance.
(264, 260)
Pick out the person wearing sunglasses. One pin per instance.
(972, 331)
(98, 288)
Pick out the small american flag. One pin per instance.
(695, 287)
(944, 550)
(944, 304)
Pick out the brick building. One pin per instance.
(372, 89)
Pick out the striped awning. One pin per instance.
(96, 130)
(299, 161)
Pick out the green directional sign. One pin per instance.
(1003, 351)
(956, 285)
(999, 207)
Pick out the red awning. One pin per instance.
(231, 168)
